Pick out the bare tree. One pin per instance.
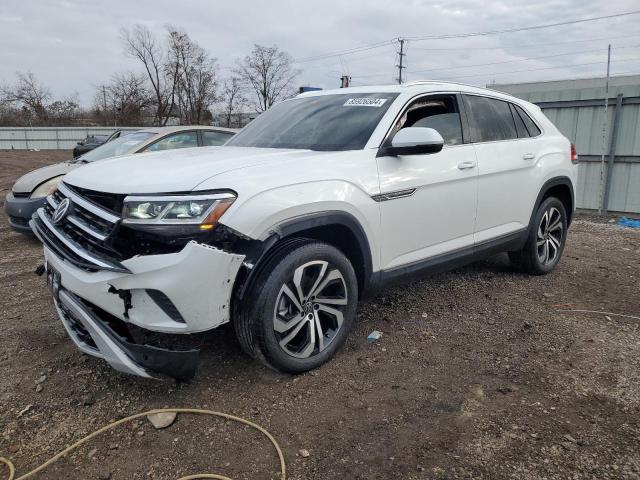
(124, 100)
(268, 73)
(28, 94)
(66, 110)
(232, 100)
(140, 43)
(196, 79)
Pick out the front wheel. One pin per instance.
(300, 308)
(546, 239)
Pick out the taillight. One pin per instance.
(574, 154)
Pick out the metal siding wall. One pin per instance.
(588, 189)
(625, 188)
(50, 138)
(628, 141)
(583, 126)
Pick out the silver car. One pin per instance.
(29, 192)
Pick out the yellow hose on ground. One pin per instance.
(12, 470)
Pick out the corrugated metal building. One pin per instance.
(576, 107)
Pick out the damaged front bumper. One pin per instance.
(178, 293)
(97, 337)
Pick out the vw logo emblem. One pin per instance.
(61, 210)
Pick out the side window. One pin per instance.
(520, 127)
(212, 138)
(440, 113)
(532, 128)
(177, 140)
(489, 119)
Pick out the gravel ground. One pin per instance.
(477, 375)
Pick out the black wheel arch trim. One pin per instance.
(290, 227)
(554, 182)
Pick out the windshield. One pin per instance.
(118, 146)
(325, 122)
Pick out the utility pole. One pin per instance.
(401, 64)
(605, 124)
(104, 98)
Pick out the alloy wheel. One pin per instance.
(550, 234)
(309, 309)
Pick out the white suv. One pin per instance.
(319, 201)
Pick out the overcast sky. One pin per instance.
(73, 46)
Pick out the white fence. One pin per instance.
(50, 138)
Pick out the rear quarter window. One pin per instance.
(489, 119)
(531, 126)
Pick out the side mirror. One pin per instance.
(413, 141)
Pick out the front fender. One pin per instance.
(264, 214)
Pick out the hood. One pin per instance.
(27, 183)
(173, 170)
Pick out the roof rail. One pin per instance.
(426, 82)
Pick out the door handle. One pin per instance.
(528, 156)
(466, 165)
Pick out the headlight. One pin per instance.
(201, 210)
(47, 187)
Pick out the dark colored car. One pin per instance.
(93, 141)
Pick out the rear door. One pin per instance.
(506, 153)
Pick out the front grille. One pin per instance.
(111, 202)
(82, 235)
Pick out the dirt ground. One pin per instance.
(477, 375)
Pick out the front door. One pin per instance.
(428, 202)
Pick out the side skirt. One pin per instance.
(449, 261)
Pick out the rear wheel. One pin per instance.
(300, 308)
(545, 242)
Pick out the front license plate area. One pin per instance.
(53, 282)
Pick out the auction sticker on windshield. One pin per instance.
(365, 102)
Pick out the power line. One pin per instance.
(520, 29)
(458, 35)
(346, 52)
(601, 62)
(530, 45)
(502, 62)
(516, 60)
(622, 60)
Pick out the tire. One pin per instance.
(545, 241)
(281, 313)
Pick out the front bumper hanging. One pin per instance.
(95, 336)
